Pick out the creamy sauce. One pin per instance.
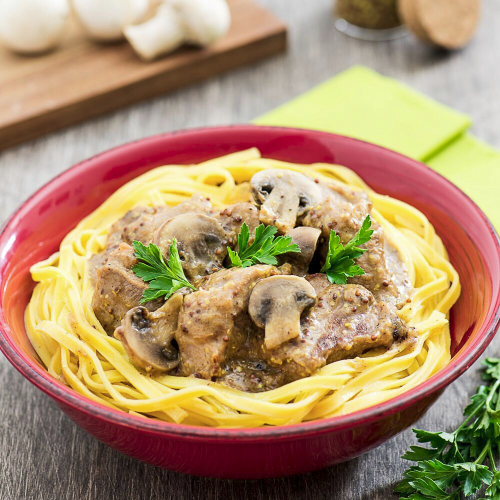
(398, 269)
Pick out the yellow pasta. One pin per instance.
(75, 348)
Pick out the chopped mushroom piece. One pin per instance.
(147, 336)
(307, 239)
(201, 241)
(285, 196)
(276, 305)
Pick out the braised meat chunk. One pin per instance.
(212, 318)
(345, 322)
(118, 289)
(141, 223)
(344, 211)
(232, 217)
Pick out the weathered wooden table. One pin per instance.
(43, 455)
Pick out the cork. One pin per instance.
(446, 23)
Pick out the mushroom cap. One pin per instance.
(276, 304)
(307, 240)
(104, 20)
(147, 336)
(32, 26)
(201, 241)
(285, 196)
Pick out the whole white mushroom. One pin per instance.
(205, 21)
(161, 34)
(197, 22)
(104, 20)
(32, 26)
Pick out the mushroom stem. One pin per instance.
(278, 331)
(276, 304)
(161, 34)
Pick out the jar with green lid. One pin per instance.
(369, 19)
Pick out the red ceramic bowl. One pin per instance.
(37, 228)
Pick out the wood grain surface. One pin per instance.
(43, 455)
(83, 79)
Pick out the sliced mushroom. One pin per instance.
(201, 241)
(276, 304)
(307, 239)
(285, 196)
(147, 336)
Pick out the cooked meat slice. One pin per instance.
(232, 218)
(201, 242)
(135, 224)
(118, 289)
(344, 212)
(141, 223)
(345, 322)
(276, 305)
(319, 281)
(285, 196)
(307, 239)
(95, 262)
(210, 317)
(147, 336)
(252, 376)
(377, 277)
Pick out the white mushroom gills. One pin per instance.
(285, 196)
(147, 337)
(33, 26)
(277, 303)
(201, 242)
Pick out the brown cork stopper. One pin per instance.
(447, 23)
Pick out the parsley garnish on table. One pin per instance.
(339, 264)
(164, 278)
(264, 248)
(459, 464)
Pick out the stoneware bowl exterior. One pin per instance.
(37, 228)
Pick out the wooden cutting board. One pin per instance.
(83, 79)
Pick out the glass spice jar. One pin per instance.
(369, 19)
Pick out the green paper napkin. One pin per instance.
(363, 104)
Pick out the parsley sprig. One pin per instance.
(339, 264)
(455, 463)
(164, 278)
(264, 248)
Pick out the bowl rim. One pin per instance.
(69, 397)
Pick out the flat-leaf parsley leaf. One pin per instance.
(339, 264)
(164, 278)
(455, 465)
(264, 248)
